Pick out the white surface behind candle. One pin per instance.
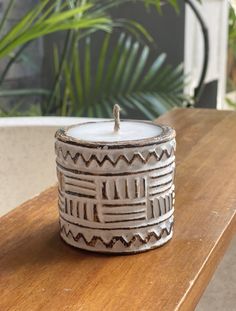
(104, 131)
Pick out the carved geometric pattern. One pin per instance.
(126, 243)
(124, 188)
(161, 205)
(116, 197)
(106, 158)
(83, 210)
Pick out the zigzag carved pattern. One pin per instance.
(121, 157)
(112, 242)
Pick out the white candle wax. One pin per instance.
(104, 131)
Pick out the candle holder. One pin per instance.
(116, 197)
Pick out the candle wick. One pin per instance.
(116, 115)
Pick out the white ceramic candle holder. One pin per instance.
(116, 197)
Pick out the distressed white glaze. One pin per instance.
(116, 197)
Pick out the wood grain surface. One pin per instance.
(38, 271)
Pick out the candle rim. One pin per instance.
(167, 134)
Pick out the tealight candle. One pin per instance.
(103, 131)
(116, 189)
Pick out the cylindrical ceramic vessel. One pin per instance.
(116, 197)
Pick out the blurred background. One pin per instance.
(78, 58)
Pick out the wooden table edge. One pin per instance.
(210, 266)
(196, 286)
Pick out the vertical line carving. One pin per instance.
(85, 211)
(66, 206)
(159, 208)
(126, 189)
(71, 207)
(116, 195)
(136, 184)
(95, 213)
(110, 189)
(77, 209)
(104, 190)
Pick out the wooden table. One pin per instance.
(40, 272)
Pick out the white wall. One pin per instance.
(215, 14)
(27, 159)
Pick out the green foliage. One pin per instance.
(19, 111)
(231, 103)
(43, 19)
(231, 81)
(232, 31)
(122, 76)
(126, 78)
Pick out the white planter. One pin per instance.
(116, 197)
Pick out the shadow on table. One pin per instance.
(43, 246)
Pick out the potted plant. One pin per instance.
(150, 89)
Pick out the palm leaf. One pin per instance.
(87, 73)
(77, 78)
(35, 24)
(23, 92)
(126, 78)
